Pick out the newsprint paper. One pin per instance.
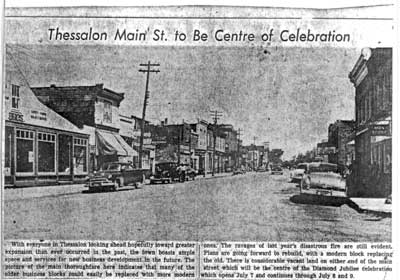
(198, 142)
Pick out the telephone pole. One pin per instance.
(147, 70)
(216, 115)
(254, 153)
(239, 133)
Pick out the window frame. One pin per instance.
(15, 95)
(44, 139)
(31, 137)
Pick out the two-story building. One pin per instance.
(231, 145)
(40, 146)
(95, 110)
(200, 128)
(372, 79)
(172, 142)
(216, 157)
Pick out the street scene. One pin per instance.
(190, 144)
(247, 207)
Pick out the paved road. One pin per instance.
(254, 206)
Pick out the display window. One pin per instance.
(64, 154)
(80, 156)
(46, 153)
(25, 157)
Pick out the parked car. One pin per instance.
(296, 175)
(276, 169)
(239, 171)
(116, 175)
(167, 172)
(190, 173)
(262, 169)
(323, 179)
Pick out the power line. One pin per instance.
(147, 70)
(216, 115)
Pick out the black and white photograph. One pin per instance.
(236, 143)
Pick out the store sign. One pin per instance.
(38, 115)
(15, 116)
(30, 156)
(380, 130)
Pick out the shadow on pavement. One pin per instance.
(336, 202)
(319, 200)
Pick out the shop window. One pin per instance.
(64, 153)
(80, 155)
(25, 154)
(107, 117)
(46, 152)
(15, 96)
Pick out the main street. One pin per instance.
(249, 207)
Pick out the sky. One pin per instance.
(285, 96)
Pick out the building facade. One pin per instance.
(95, 110)
(172, 142)
(231, 146)
(200, 128)
(40, 146)
(372, 79)
(130, 132)
(338, 135)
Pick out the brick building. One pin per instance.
(174, 142)
(372, 79)
(231, 145)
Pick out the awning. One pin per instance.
(110, 143)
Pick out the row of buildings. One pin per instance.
(61, 134)
(364, 145)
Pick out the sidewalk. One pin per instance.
(41, 191)
(56, 190)
(372, 205)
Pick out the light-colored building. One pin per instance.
(40, 146)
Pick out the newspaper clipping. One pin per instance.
(197, 142)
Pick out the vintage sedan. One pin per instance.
(276, 169)
(116, 175)
(296, 175)
(167, 172)
(323, 179)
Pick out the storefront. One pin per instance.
(373, 160)
(40, 146)
(112, 147)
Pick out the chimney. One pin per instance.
(166, 121)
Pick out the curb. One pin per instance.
(360, 210)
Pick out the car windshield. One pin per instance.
(325, 168)
(112, 166)
(302, 166)
(165, 165)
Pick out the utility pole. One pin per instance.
(239, 133)
(254, 153)
(147, 70)
(216, 115)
